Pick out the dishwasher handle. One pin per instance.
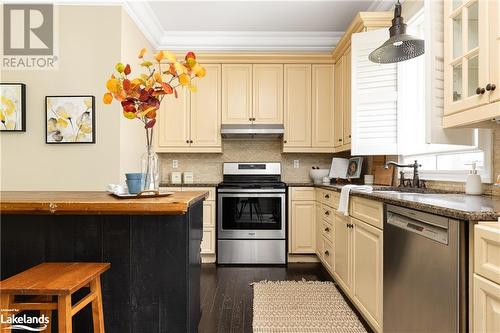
(427, 230)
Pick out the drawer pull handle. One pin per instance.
(327, 253)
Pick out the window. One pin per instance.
(447, 162)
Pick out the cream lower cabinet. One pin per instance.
(486, 288)
(302, 220)
(191, 123)
(367, 274)
(343, 251)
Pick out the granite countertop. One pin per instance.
(454, 205)
(206, 184)
(93, 202)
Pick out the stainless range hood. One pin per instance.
(252, 130)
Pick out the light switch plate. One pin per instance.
(175, 164)
(296, 164)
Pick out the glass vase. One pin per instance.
(150, 166)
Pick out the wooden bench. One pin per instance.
(49, 280)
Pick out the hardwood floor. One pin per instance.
(226, 293)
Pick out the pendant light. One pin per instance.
(400, 46)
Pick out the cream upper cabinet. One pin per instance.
(191, 123)
(267, 94)
(236, 93)
(367, 275)
(466, 54)
(297, 99)
(343, 250)
(339, 102)
(346, 114)
(206, 109)
(471, 63)
(173, 122)
(323, 106)
(495, 50)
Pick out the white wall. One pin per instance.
(92, 39)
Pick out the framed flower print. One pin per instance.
(70, 119)
(12, 107)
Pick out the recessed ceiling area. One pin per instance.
(301, 26)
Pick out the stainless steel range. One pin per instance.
(251, 214)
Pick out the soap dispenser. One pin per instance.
(473, 185)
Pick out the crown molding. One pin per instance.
(252, 41)
(381, 5)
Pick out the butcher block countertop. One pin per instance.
(94, 203)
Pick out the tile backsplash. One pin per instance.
(208, 167)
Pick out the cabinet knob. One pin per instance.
(327, 196)
(187, 141)
(327, 253)
(340, 140)
(349, 136)
(480, 91)
(327, 212)
(327, 229)
(190, 141)
(490, 87)
(284, 141)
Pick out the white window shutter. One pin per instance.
(374, 98)
(434, 73)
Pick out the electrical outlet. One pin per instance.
(296, 164)
(175, 164)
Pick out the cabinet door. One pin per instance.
(466, 55)
(342, 254)
(268, 94)
(208, 241)
(236, 93)
(486, 308)
(495, 50)
(303, 226)
(346, 114)
(322, 106)
(206, 109)
(173, 125)
(367, 275)
(339, 102)
(319, 226)
(297, 106)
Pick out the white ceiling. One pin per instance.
(314, 25)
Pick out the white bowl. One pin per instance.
(317, 175)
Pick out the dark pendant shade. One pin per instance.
(400, 46)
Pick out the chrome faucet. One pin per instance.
(415, 166)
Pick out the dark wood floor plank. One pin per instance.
(227, 294)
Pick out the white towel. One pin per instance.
(344, 196)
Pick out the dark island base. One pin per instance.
(154, 281)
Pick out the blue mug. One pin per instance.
(134, 175)
(134, 185)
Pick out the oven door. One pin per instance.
(243, 215)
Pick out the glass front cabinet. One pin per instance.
(471, 57)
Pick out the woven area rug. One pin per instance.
(301, 307)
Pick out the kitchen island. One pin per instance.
(153, 245)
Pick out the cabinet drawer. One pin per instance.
(210, 190)
(302, 193)
(327, 213)
(327, 231)
(208, 214)
(487, 251)
(327, 254)
(486, 306)
(208, 241)
(369, 211)
(329, 198)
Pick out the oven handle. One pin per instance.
(263, 190)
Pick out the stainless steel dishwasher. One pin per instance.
(425, 272)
